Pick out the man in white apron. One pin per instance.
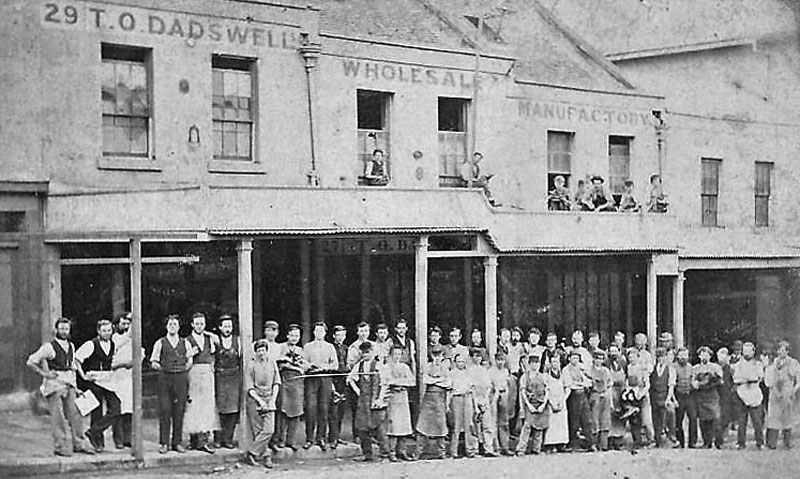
(201, 411)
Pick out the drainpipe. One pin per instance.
(310, 52)
(660, 126)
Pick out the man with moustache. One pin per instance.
(227, 380)
(122, 365)
(95, 357)
(54, 361)
(201, 411)
(747, 374)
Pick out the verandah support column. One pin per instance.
(421, 305)
(652, 304)
(677, 310)
(136, 344)
(245, 288)
(490, 302)
(629, 306)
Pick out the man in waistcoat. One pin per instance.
(95, 357)
(402, 341)
(201, 411)
(322, 361)
(662, 394)
(227, 380)
(747, 374)
(172, 358)
(54, 362)
(338, 388)
(684, 377)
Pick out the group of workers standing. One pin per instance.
(527, 398)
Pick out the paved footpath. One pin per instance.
(660, 464)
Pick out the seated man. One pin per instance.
(472, 172)
(375, 170)
(657, 200)
(558, 198)
(600, 199)
(628, 201)
(581, 200)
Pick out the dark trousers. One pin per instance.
(636, 429)
(413, 404)
(227, 425)
(659, 422)
(756, 415)
(288, 429)
(579, 416)
(172, 392)
(318, 399)
(99, 422)
(686, 408)
(709, 430)
(335, 416)
(122, 430)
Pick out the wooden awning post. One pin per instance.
(245, 286)
(136, 342)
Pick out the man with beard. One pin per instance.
(227, 380)
(402, 341)
(201, 411)
(95, 358)
(684, 377)
(54, 362)
(577, 347)
(707, 376)
(122, 365)
(747, 374)
(782, 377)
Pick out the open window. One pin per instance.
(373, 109)
(453, 114)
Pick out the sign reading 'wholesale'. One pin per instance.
(581, 113)
(393, 72)
(87, 16)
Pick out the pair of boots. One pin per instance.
(438, 442)
(397, 449)
(601, 439)
(772, 438)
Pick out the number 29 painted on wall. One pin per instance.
(53, 14)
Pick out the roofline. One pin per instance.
(278, 4)
(637, 93)
(470, 53)
(582, 45)
(442, 17)
(682, 49)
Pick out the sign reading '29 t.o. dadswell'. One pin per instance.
(89, 16)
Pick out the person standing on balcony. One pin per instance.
(321, 358)
(628, 201)
(55, 363)
(581, 200)
(376, 172)
(201, 410)
(172, 358)
(95, 357)
(227, 378)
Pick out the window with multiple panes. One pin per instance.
(125, 96)
(709, 190)
(372, 112)
(763, 190)
(559, 156)
(619, 164)
(232, 108)
(453, 114)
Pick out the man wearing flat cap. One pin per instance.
(262, 381)
(578, 410)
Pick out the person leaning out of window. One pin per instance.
(376, 172)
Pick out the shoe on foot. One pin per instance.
(179, 449)
(63, 453)
(162, 449)
(307, 445)
(250, 459)
(322, 446)
(206, 448)
(268, 463)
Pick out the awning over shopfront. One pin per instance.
(728, 250)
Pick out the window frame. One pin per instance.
(382, 138)
(551, 173)
(454, 179)
(762, 198)
(114, 160)
(711, 195)
(615, 188)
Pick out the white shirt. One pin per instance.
(87, 349)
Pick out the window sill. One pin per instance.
(128, 163)
(236, 167)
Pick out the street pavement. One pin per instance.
(660, 464)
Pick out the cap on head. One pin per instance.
(271, 325)
(338, 328)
